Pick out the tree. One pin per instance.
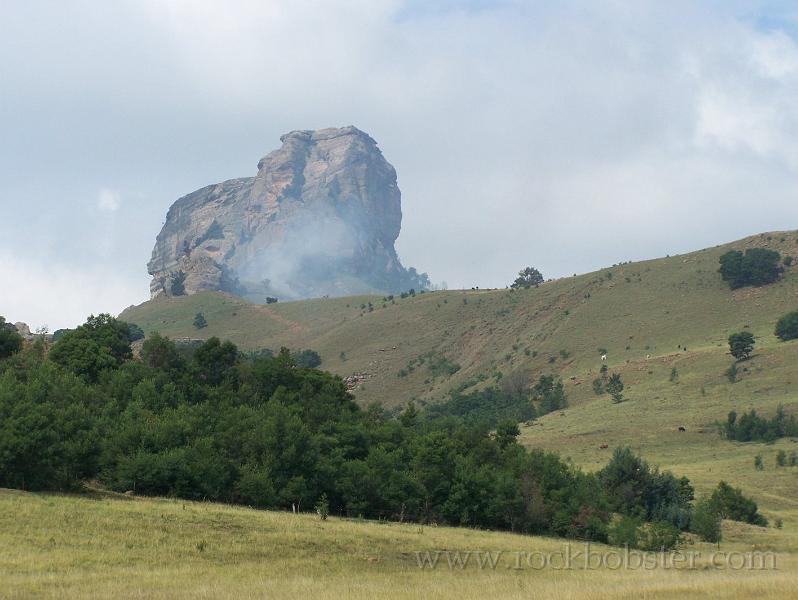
(199, 321)
(550, 392)
(615, 388)
(741, 344)
(527, 278)
(215, 361)
(178, 284)
(706, 521)
(787, 327)
(101, 343)
(309, 359)
(10, 340)
(136, 333)
(757, 267)
(730, 503)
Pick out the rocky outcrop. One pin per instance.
(320, 218)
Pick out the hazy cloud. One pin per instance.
(108, 200)
(565, 135)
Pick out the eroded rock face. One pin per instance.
(320, 218)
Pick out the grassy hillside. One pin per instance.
(651, 317)
(118, 547)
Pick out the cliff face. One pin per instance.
(320, 218)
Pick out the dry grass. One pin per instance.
(76, 547)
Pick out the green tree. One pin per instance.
(178, 283)
(161, 353)
(706, 521)
(730, 503)
(787, 327)
(527, 278)
(215, 361)
(781, 458)
(101, 343)
(309, 359)
(550, 393)
(136, 333)
(757, 267)
(615, 388)
(10, 340)
(741, 344)
(199, 321)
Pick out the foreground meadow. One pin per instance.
(54, 546)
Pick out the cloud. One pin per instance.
(62, 295)
(108, 200)
(565, 135)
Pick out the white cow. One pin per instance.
(603, 358)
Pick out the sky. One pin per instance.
(564, 135)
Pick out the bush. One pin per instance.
(706, 521)
(731, 373)
(550, 393)
(788, 260)
(178, 284)
(787, 327)
(741, 344)
(199, 321)
(757, 267)
(307, 358)
(136, 333)
(730, 503)
(10, 340)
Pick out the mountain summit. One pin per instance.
(320, 218)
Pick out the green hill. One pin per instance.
(650, 317)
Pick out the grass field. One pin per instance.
(55, 546)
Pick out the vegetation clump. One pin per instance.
(757, 267)
(205, 421)
(741, 344)
(787, 327)
(750, 427)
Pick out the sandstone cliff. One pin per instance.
(320, 218)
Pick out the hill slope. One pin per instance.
(71, 547)
(651, 317)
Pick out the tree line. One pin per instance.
(207, 422)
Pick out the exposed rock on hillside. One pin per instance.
(320, 218)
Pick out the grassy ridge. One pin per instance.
(644, 314)
(59, 546)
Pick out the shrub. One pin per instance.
(706, 521)
(323, 507)
(136, 333)
(550, 393)
(730, 503)
(199, 321)
(307, 358)
(788, 260)
(781, 458)
(10, 340)
(787, 327)
(759, 465)
(731, 373)
(178, 284)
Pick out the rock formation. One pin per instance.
(320, 218)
